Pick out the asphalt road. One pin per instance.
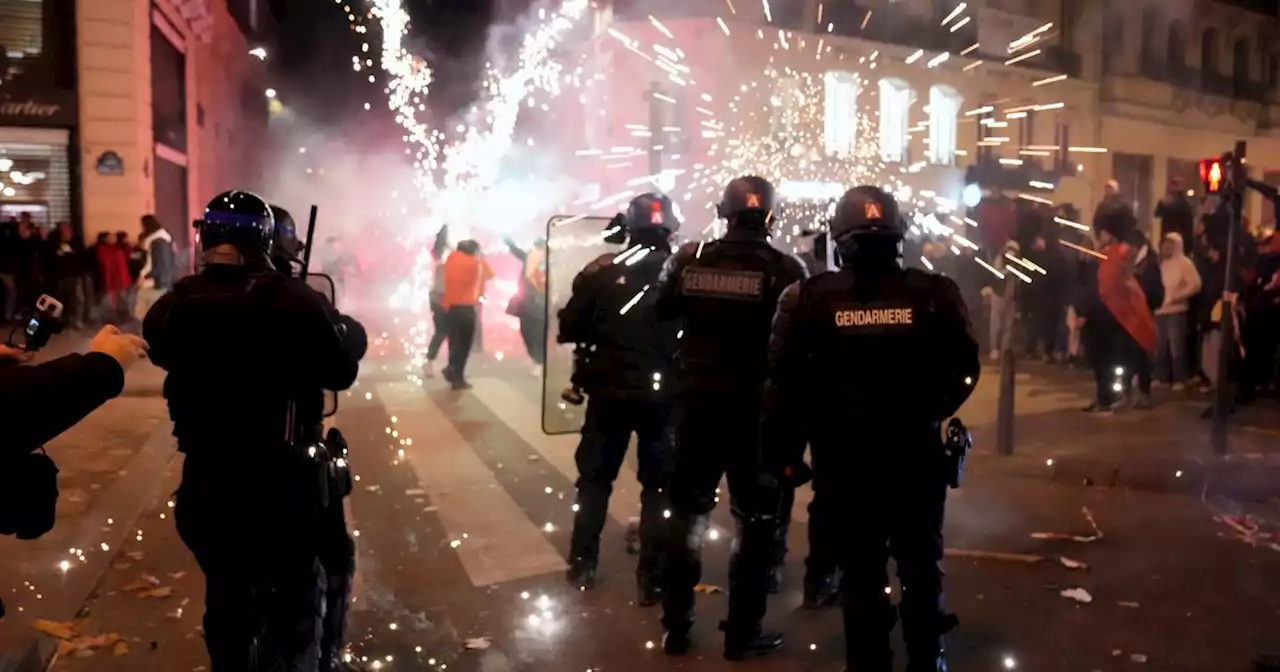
(463, 510)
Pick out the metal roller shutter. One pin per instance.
(36, 175)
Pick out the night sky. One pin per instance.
(313, 59)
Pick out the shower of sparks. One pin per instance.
(776, 124)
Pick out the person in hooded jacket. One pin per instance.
(724, 293)
(625, 355)
(1181, 284)
(157, 273)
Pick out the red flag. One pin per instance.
(1123, 296)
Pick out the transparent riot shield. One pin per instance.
(573, 241)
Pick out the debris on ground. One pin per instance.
(156, 592)
(1130, 605)
(59, 629)
(415, 492)
(1078, 594)
(1249, 529)
(1063, 536)
(632, 536)
(535, 458)
(78, 645)
(1138, 657)
(144, 582)
(477, 643)
(993, 555)
(707, 589)
(134, 555)
(1072, 564)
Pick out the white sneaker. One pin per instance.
(428, 369)
(537, 371)
(1178, 387)
(995, 355)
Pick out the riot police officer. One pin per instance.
(865, 364)
(248, 352)
(624, 353)
(336, 546)
(723, 293)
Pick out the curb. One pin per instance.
(22, 649)
(1247, 477)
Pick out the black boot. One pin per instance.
(581, 575)
(867, 624)
(822, 591)
(651, 534)
(926, 642)
(676, 642)
(741, 644)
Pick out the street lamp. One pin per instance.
(271, 93)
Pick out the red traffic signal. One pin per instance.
(1212, 175)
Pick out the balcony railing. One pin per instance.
(1192, 79)
(897, 27)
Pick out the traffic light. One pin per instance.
(1212, 174)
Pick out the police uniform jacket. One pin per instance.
(238, 347)
(623, 348)
(867, 356)
(724, 293)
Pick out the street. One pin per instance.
(463, 511)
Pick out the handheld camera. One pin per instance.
(45, 321)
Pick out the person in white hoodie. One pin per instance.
(1181, 283)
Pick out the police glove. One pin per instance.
(354, 336)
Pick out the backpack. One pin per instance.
(1148, 275)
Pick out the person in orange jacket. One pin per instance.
(465, 276)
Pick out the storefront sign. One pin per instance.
(110, 163)
(38, 108)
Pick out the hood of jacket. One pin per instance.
(1179, 246)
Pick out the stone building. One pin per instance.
(112, 109)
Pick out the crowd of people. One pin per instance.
(112, 281)
(1102, 295)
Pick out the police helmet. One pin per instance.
(867, 211)
(239, 218)
(651, 211)
(749, 193)
(285, 241)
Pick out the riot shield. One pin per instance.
(573, 241)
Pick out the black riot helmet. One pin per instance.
(651, 211)
(238, 218)
(285, 244)
(747, 200)
(867, 223)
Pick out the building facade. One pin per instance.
(1063, 94)
(113, 109)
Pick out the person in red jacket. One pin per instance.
(113, 265)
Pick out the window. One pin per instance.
(840, 112)
(896, 97)
(1209, 52)
(1151, 38)
(1240, 62)
(1176, 49)
(944, 110)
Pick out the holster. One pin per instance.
(28, 495)
(956, 447)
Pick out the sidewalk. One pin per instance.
(1165, 449)
(109, 464)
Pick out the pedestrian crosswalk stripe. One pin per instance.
(500, 543)
(525, 419)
